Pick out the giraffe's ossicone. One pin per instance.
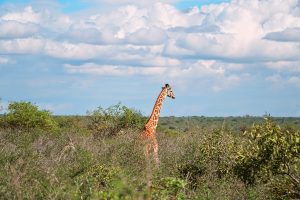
(149, 133)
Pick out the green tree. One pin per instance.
(109, 121)
(170, 188)
(271, 156)
(26, 116)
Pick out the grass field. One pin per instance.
(91, 157)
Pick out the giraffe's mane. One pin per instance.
(163, 88)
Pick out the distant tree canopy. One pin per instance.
(25, 115)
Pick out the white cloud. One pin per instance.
(140, 3)
(230, 31)
(242, 26)
(110, 70)
(295, 81)
(47, 18)
(206, 73)
(147, 60)
(275, 79)
(27, 16)
(14, 29)
(287, 35)
(88, 35)
(283, 82)
(124, 20)
(285, 66)
(151, 36)
(200, 72)
(5, 60)
(167, 16)
(197, 69)
(80, 51)
(22, 46)
(216, 43)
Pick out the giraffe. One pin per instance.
(149, 132)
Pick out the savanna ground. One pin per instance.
(98, 156)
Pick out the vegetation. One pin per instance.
(110, 121)
(272, 155)
(98, 157)
(26, 116)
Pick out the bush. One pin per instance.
(109, 122)
(102, 182)
(208, 160)
(26, 116)
(170, 188)
(271, 157)
(94, 179)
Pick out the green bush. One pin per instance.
(102, 182)
(169, 188)
(109, 122)
(26, 116)
(193, 171)
(271, 157)
(215, 158)
(94, 179)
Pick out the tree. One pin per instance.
(26, 116)
(109, 121)
(271, 156)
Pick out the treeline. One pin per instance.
(98, 157)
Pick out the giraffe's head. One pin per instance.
(169, 91)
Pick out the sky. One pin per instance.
(222, 58)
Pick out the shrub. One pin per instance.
(213, 158)
(109, 122)
(93, 179)
(26, 116)
(170, 188)
(193, 171)
(102, 182)
(271, 157)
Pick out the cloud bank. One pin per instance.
(240, 31)
(217, 46)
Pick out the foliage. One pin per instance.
(110, 121)
(214, 158)
(272, 156)
(170, 188)
(201, 158)
(98, 182)
(193, 171)
(218, 151)
(26, 116)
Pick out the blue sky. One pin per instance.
(223, 58)
(79, 5)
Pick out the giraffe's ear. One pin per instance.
(167, 85)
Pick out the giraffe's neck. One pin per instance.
(154, 117)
